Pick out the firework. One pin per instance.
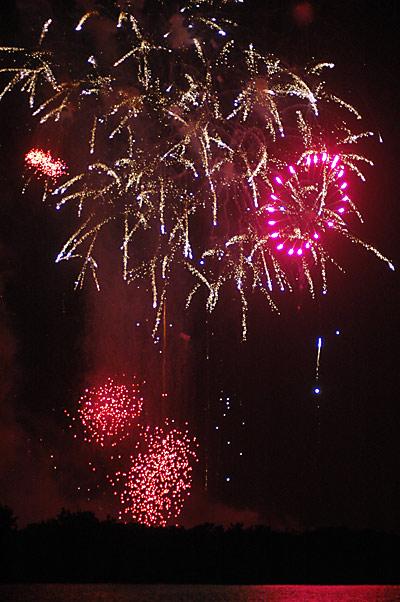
(313, 199)
(109, 412)
(160, 476)
(307, 204)
(186, 134)
(290, 216)
(44, 164)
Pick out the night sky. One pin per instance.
(306, 460)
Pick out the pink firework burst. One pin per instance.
(310, 200)
(160, 477)
(43, 163)
(109, 412)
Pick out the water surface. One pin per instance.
(197, 593)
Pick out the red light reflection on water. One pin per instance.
(324, 593)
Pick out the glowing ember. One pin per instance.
(109, 412)
(42, 162)
(160, 477)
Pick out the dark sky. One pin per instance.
(306, 461)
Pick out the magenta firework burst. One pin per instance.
(110, 411)
(309, 200)
(160, 477)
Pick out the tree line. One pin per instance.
(78, 547)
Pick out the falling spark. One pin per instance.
(319, 347)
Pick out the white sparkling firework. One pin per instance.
(186, 134)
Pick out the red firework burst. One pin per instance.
(160, 477)
(43, 163)
(310, 201)
(109, 412)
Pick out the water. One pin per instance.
(198, 593)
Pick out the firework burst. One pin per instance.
(186, 132)
(109, 412)
(287, 218)
(44, 164)
(159, 479)
(313, 198)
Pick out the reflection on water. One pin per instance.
(329, 593)
(198, 593)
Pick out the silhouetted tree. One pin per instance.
(8, 521)
(77, 547)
